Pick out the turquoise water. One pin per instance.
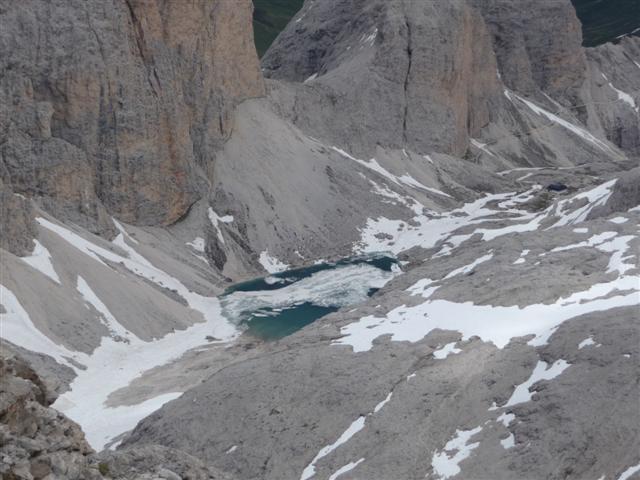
(273, 307)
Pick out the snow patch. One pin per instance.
(585, 343)
(446, 466)
(619, 220)
(379, 406)
(197, 244)
(355, 427)
(448, 349)
(347, 468)
(271, 264)
(579, 131)
(522, 394)
(40, 259)
(216, 220)
(18, 328)
(629, 471)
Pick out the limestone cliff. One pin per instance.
(432, 76)
(116, 107)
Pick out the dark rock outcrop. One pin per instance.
(38, 442)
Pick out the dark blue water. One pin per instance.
(268, 323)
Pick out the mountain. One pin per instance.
(602, 20)
(441, 196)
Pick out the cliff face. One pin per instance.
(537, 45)
(431, 76)
(420, 75)
(115, 106)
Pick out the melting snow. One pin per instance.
(271, 264)
(311, 78)
(521, 259)
(403, 180)
(469, 268)
(18, 328)
(595, 197)
(355, 427)
(347, 468)
(216, 220)
(495, 324)
(108, 319)
(508, 442)
(540, 372)
(446, 466)
(448, 349)
(197, 244)
(581, 132)
(40, 259)
(619, 220)
(506, 418)
(629, 471)
(379, 406)
(481, 146)
(625, 97)
(113, 365)
(585, 343)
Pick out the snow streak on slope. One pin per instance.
(40, 259)
(18, 328)
(403, 180)
(355, 427)
(579, 131)
(216, 220)
(122, 356)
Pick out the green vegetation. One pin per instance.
(604, 20)
(103, 468)
(269, 19)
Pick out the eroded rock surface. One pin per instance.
(117, 106)
(38, 442)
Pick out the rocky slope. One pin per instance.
(140, 178)
(38, 442)
(500, 349)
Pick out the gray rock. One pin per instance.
(120, 105)
(625, 195)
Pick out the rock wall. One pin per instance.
(38, 442)
(402, 74)
(116, 107)
(431, 76)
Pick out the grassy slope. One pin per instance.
(602, 20)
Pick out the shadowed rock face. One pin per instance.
(427, 75)
(537, 44)
(116, 106)
(405, 73)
